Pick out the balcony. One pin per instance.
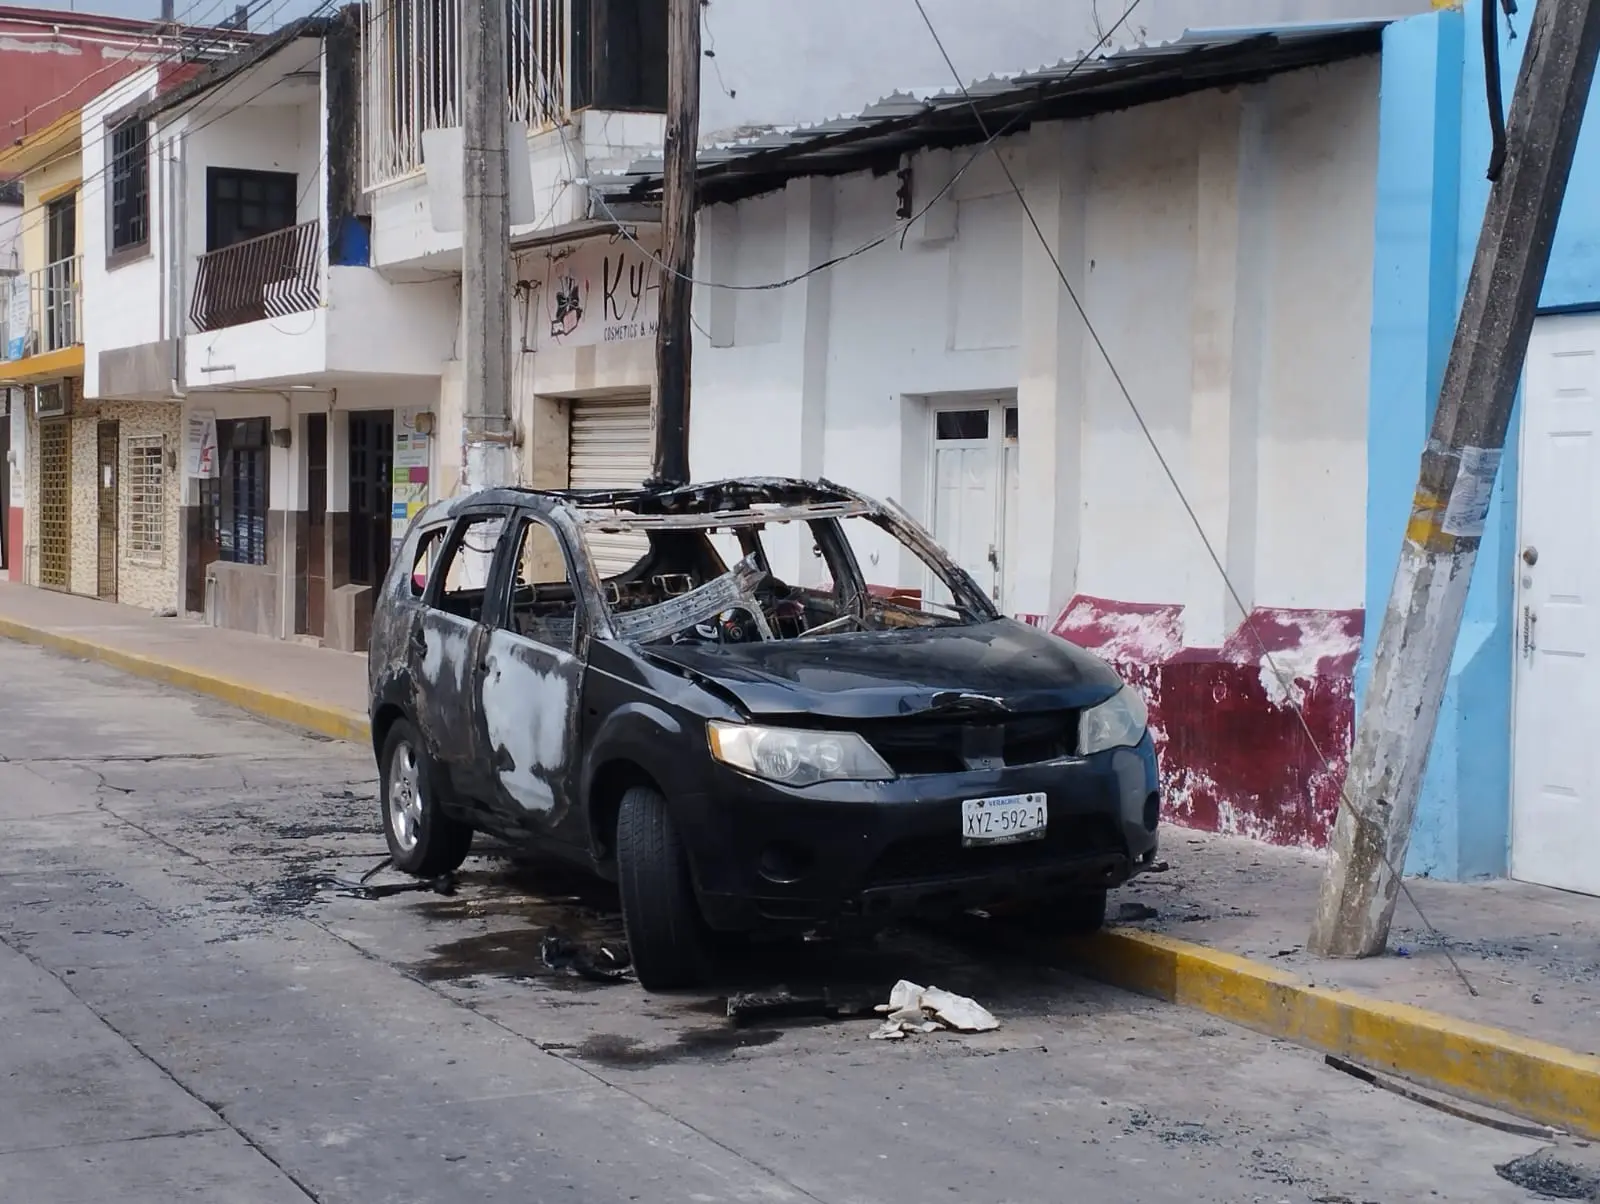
(272, 276)
(562, 56)
(43, 315)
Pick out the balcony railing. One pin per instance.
(272, 276)
(412, 75)
(42, 310)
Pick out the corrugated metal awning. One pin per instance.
(876, 137)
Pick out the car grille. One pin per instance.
(927, 857)
(917, 746)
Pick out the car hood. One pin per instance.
(881, 675)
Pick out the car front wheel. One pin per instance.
(666, 932)
(423, 840)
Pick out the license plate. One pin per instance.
(1004, 820)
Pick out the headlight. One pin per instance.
(795, 757)
(1118, 722)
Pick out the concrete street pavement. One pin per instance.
(184, 1013)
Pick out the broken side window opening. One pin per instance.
(870, 576)
(466, 571)
(543, 604)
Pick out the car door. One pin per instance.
(446, 647)
(529, 680)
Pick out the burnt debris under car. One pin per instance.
(625, 679)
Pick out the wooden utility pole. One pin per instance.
(1423, 617)
(485, 247)
(671, 460)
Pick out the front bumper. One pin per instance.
(767, 856)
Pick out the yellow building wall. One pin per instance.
(39, 187)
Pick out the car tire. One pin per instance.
(666, 932)
(423, 840)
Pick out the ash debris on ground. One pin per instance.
(1555, 1173)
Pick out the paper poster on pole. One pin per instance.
(200, 445)
(409, 484)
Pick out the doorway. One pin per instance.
(61, 274)
(1555, 792)
(371, 494)
(973, 503)
(315, 577)
(108, 441)
(55, 503)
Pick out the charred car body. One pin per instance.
(742, 753)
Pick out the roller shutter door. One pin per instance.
(610, 449)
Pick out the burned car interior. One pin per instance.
(705, 573)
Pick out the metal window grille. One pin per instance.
(146, 473)
(130, 185)
(413, 79)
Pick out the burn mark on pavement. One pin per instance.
(699, 1044)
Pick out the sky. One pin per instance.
(266, 14)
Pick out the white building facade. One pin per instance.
(586, 90)
(242, 325)
(1220, 242)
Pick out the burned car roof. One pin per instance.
(727, 499)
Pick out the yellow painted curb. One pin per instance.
(1528, 1078)
(334, 722)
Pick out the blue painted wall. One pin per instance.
(1433, 148)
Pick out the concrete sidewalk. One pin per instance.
(300, 684)
(1223, 929)
(1531, 954)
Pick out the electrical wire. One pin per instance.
(900, 228)
(158, 37)
(40, 212)
(179, 54)
(1166, 468)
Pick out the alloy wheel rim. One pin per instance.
(405, 797)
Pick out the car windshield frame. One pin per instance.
(614, 514)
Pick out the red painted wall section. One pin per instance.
(1253, 737)
(54, 62)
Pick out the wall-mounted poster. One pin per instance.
(409, 486)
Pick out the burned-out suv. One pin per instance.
(706, 694)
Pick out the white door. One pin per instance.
(1555, 812)
(974, 487)
(609, 448)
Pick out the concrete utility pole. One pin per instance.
(485, 247)
(1423, 617)
(671, 459)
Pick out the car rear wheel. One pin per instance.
(666, 932)
(423, 840)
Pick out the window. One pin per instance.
(241, 205)
(427, 554)
(543, 605)
(466, 572)
(961, 424)
(130, 186)
(147, 522)
(235, 503)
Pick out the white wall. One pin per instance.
(778, 62)
(1221, 244)
(258, 137)
(403, 234)
(124, 306)
(240, 125)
